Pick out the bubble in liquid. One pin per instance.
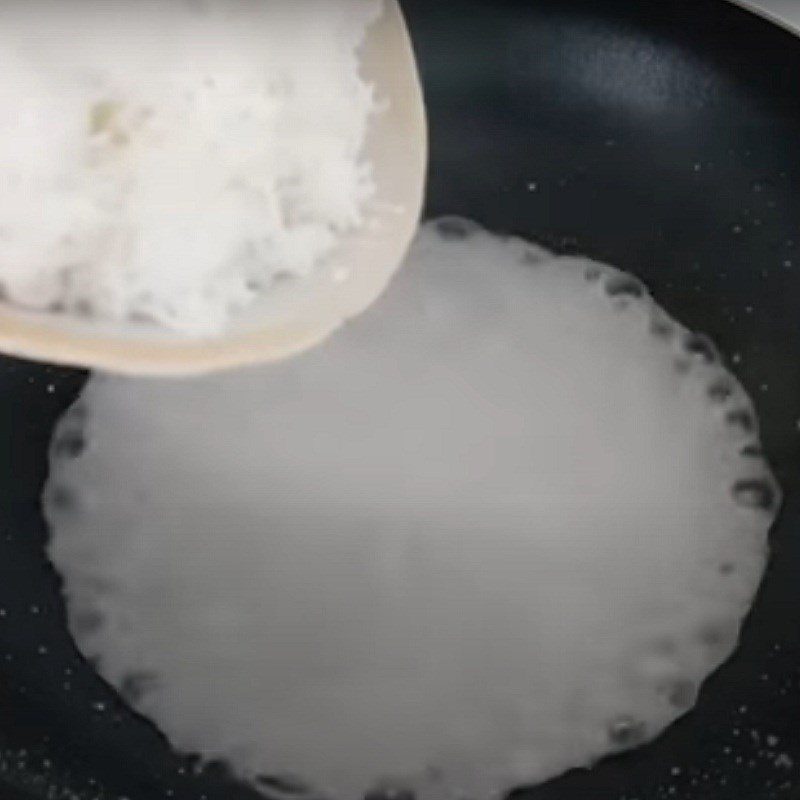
(438, 554)
(626, 732)
(70, 445)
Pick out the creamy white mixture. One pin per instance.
(168, 161)
(500, 526)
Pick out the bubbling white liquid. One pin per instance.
(500, 526)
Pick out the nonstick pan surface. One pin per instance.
(662, 137)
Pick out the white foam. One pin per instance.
(486, 533)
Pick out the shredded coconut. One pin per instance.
(182, 157)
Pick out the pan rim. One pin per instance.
(773, 17)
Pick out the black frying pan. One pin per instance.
(660, 135)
